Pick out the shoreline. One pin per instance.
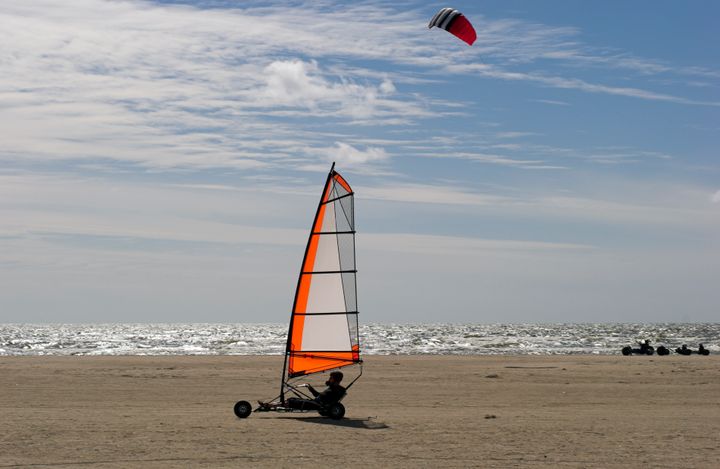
(406, 411)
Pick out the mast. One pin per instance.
(297, 288)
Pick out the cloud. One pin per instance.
(573, 83)
(167, 87)
(296, 83)
(551, 101)
(641, 206)
(458, 246)
(101, 84)
(347, 155)
(515, 134)
(430, 194)
(502, 160)
(716, 197)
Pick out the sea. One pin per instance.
(375, 339)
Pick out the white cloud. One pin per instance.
(295, 83)
(349, 156)
(387, 87)
(515, 134)
(179, 87)
(431, 194)
(573, 83)
(220, 245)
(676, 207)
(168, 86)
(551, 101)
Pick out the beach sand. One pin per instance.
(406, 411)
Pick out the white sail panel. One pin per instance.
(326, 332)
(328, 223)
(326, 294)
(327, 257)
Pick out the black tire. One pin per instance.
(323, 412)
(242, 409)
(336, 411)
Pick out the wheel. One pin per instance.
(627, 350)
(650, 350)
(242, 409)
(336, 411)
(323, 412)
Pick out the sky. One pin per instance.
(161, 161)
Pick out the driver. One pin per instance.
(330, 395)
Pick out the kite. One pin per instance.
(455, 23)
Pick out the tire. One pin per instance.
(336, 411)
(627, 350)
(242, 409)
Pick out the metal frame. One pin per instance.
(278, 403)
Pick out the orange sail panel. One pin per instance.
(324, 326)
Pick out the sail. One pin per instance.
(323, 330)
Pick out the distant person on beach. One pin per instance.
(331, 395)
(703, 351)
(683, 350)
(644, 346)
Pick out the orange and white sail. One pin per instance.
(323, 330)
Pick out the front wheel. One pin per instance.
(242, 409)
(336, 411)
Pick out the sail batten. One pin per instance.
(323, 326)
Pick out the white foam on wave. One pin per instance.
(376, 339)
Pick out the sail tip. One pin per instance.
(332, 168)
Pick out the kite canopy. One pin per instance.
(455, 23)
(324, 323)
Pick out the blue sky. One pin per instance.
(161, 161)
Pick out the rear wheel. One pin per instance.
(336, 411)
(242, 409)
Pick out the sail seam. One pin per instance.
(312, 272)
(338, 198)
(327, 314)
(332, 232)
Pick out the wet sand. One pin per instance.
(419, 411)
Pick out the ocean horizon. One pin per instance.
(375, 338)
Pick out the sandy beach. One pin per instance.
(417, 411)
